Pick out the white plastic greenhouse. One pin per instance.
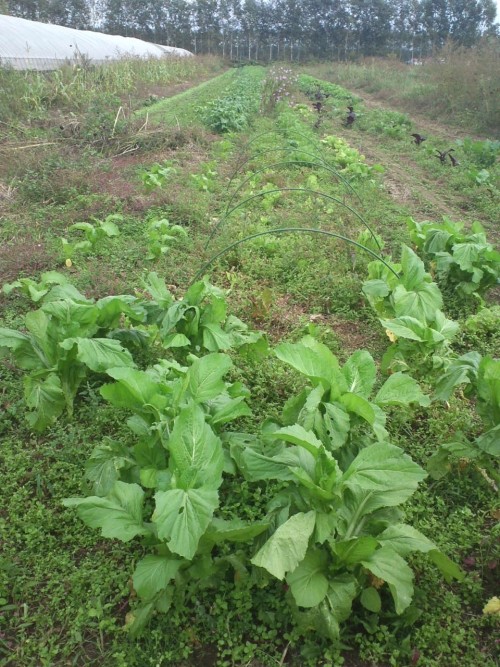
(42, 46)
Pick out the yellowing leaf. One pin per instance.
(492, 607)
(376, 582)
(392, 337)
(129, 619)
(69, 263)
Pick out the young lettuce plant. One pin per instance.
(480, 378)
(409, 308)
(156, 176)
(337, 531)
(198, 321)
(165, 488)
(94, 235)
(161, 235)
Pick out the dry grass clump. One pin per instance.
(469, 84)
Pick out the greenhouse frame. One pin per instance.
(29, 45)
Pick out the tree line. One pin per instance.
(268, 30)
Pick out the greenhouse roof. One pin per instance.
(42, 46)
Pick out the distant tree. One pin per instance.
(469, 19)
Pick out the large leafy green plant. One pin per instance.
(165, 487)
(462, 261)
(479, 378)
(336, 530)
(64, 339)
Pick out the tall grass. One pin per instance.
(30, 96)
(459, 85)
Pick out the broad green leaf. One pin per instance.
(310, 409)
(440, 463)
(154, 573)
(172, 317)
(44, 395)
(111, 308)
(294, 405)
(175, 340)
(337, 423)
(133, 389)
(257, 466)
(466, 254)
(421, 304)
(316, 363)
(308, 582)
(103, 467)
(25, 353)
(12, 339)
(406, 327)
(376, 288)
(234, 530)
(205, 376)
(78, 319)
(404, 540)
(447, 567)
(342, 590)
(156, 287)
(326, 524)
(225, 409)
(215, 338)
(337, 380)
(118, 515)
(297, 435)
(401, 389)
(388, 565)
(461, 371)
(195, 449)
(489, 442)
(65, 292)
(488, 389)
(359, 503)
(100, 354)
(379, 424)
(44, 335)
(182, 517)
(110, 228)
(137, 619)
(287, 546)
(384, 468)
(215, 312)
(319, 619)
(436, 241)
(359, 371)
(370, 599)
(359, 406)
(447, 329)
(355, 550)
(412, 267)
